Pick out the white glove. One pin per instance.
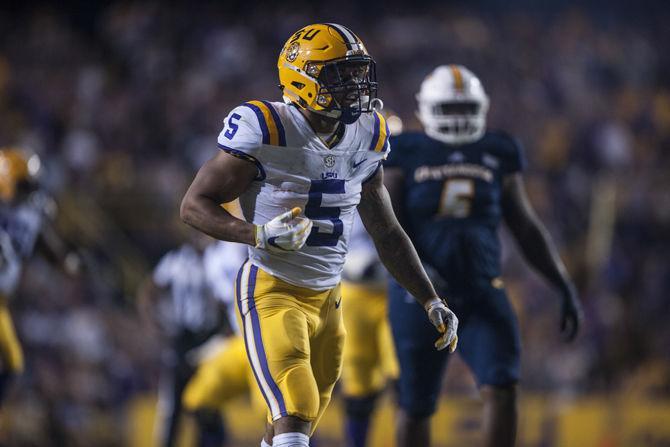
(286, 232)
(446, 323)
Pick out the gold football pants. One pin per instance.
(11, 355)
(294, 338)
(221, 378)
(369, 354)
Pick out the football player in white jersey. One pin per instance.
(24, 227)
(321, 151)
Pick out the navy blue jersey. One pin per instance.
(451, 207)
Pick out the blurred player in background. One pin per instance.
(223, 373)
(369, 360)
(25, 226)
(321, 150)
(178, 301)
(450, 187)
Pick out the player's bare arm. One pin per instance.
(394, 181)
(400, 257)
(222, 179)
(539, 250)
(395, 249)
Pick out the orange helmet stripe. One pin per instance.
(458, 77)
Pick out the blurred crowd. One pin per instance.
(124, 102)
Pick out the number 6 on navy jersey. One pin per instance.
(315, 211)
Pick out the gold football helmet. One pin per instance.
(15, 169)
(325, 68)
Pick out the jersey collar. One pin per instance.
(333, 142)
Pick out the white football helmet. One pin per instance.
(453, 105)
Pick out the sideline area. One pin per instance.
(605, 421)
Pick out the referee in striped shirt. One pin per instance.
(177, 299)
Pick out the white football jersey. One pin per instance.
(363, 265)
(189, 304)
(20, 227)
(296, 168)
(222, 261)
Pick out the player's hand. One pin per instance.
(445, 321)
(572, 315)
(286, 232)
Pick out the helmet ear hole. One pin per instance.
(298, 85)
(323, 100)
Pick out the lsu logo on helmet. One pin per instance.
(325, 68)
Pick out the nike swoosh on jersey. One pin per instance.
(355, 165)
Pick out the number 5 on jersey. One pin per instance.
(315, 211)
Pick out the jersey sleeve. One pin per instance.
(242, 136)
(511, 154)
(379, 144)
(370, 169)
(378, 147)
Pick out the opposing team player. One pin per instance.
(369, 360)
(451, 186)
(25, 211)
(321, 150)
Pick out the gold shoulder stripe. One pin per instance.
(383, 133)
(273, 131)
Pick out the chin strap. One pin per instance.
(335, 114)
(347, 115)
